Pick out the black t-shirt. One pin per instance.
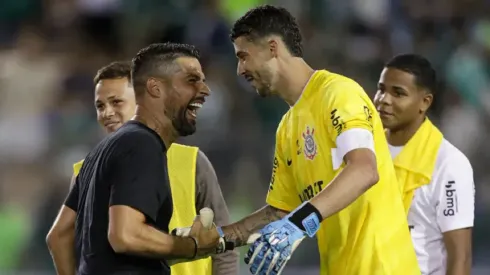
(129, 168)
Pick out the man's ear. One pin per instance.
(153, 87)
(426, 102)
(273, 47)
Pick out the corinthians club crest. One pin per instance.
(310, 145)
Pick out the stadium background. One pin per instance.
(50, 50)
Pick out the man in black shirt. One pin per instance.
(118, 203)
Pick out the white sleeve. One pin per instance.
(349, 140)
(455, 208)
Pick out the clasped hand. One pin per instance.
(207, 238)
(204, 232)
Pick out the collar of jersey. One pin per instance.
(305, 88)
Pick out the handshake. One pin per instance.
(271, 247)
(209, 238)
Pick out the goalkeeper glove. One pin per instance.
(278, 240)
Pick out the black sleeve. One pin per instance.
(71, 200)
(138, 176)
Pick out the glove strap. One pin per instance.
(307, 218)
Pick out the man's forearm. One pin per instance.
(239, 232)
(63, 253)
(459, 267)
(351, 183)
(458, 247)
(150, 242)
(458, 263)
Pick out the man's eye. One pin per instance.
(242, 57)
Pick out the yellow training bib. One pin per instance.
(182, 173)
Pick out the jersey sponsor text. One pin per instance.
(337, 122)
(451, 199)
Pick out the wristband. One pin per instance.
(195, 247)
(307, 218)
(223, 244)
(220, 232)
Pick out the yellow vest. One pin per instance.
(182, 173)
(415, 164)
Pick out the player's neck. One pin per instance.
(161, 124)
(293, 80)
(401, 136)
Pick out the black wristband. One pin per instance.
(229, 245)
(297, 217)
(224, 245)
(195, 247)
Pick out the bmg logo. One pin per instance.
(337, 122)
(274, 170)
(451, 199)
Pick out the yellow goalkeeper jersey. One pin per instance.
(370, 236)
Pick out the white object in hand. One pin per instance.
(207, 216)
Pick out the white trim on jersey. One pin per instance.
(349, 140)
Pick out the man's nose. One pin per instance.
(108, 112)
(205, 90)
(385, 98)
(239, 69)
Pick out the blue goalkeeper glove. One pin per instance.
(269, 254)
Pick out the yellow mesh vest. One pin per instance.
(182, 174)
(76, 167)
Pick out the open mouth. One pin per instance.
(249, 78)
(193, 108)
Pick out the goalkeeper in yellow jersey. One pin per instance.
(193, 181)
(332, 176)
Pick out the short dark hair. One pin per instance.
(266, 20)
(117, 69)
(154, 59)
(419, 67)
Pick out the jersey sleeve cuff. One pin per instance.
(456, 226)
(146, 210)
(71, 206)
